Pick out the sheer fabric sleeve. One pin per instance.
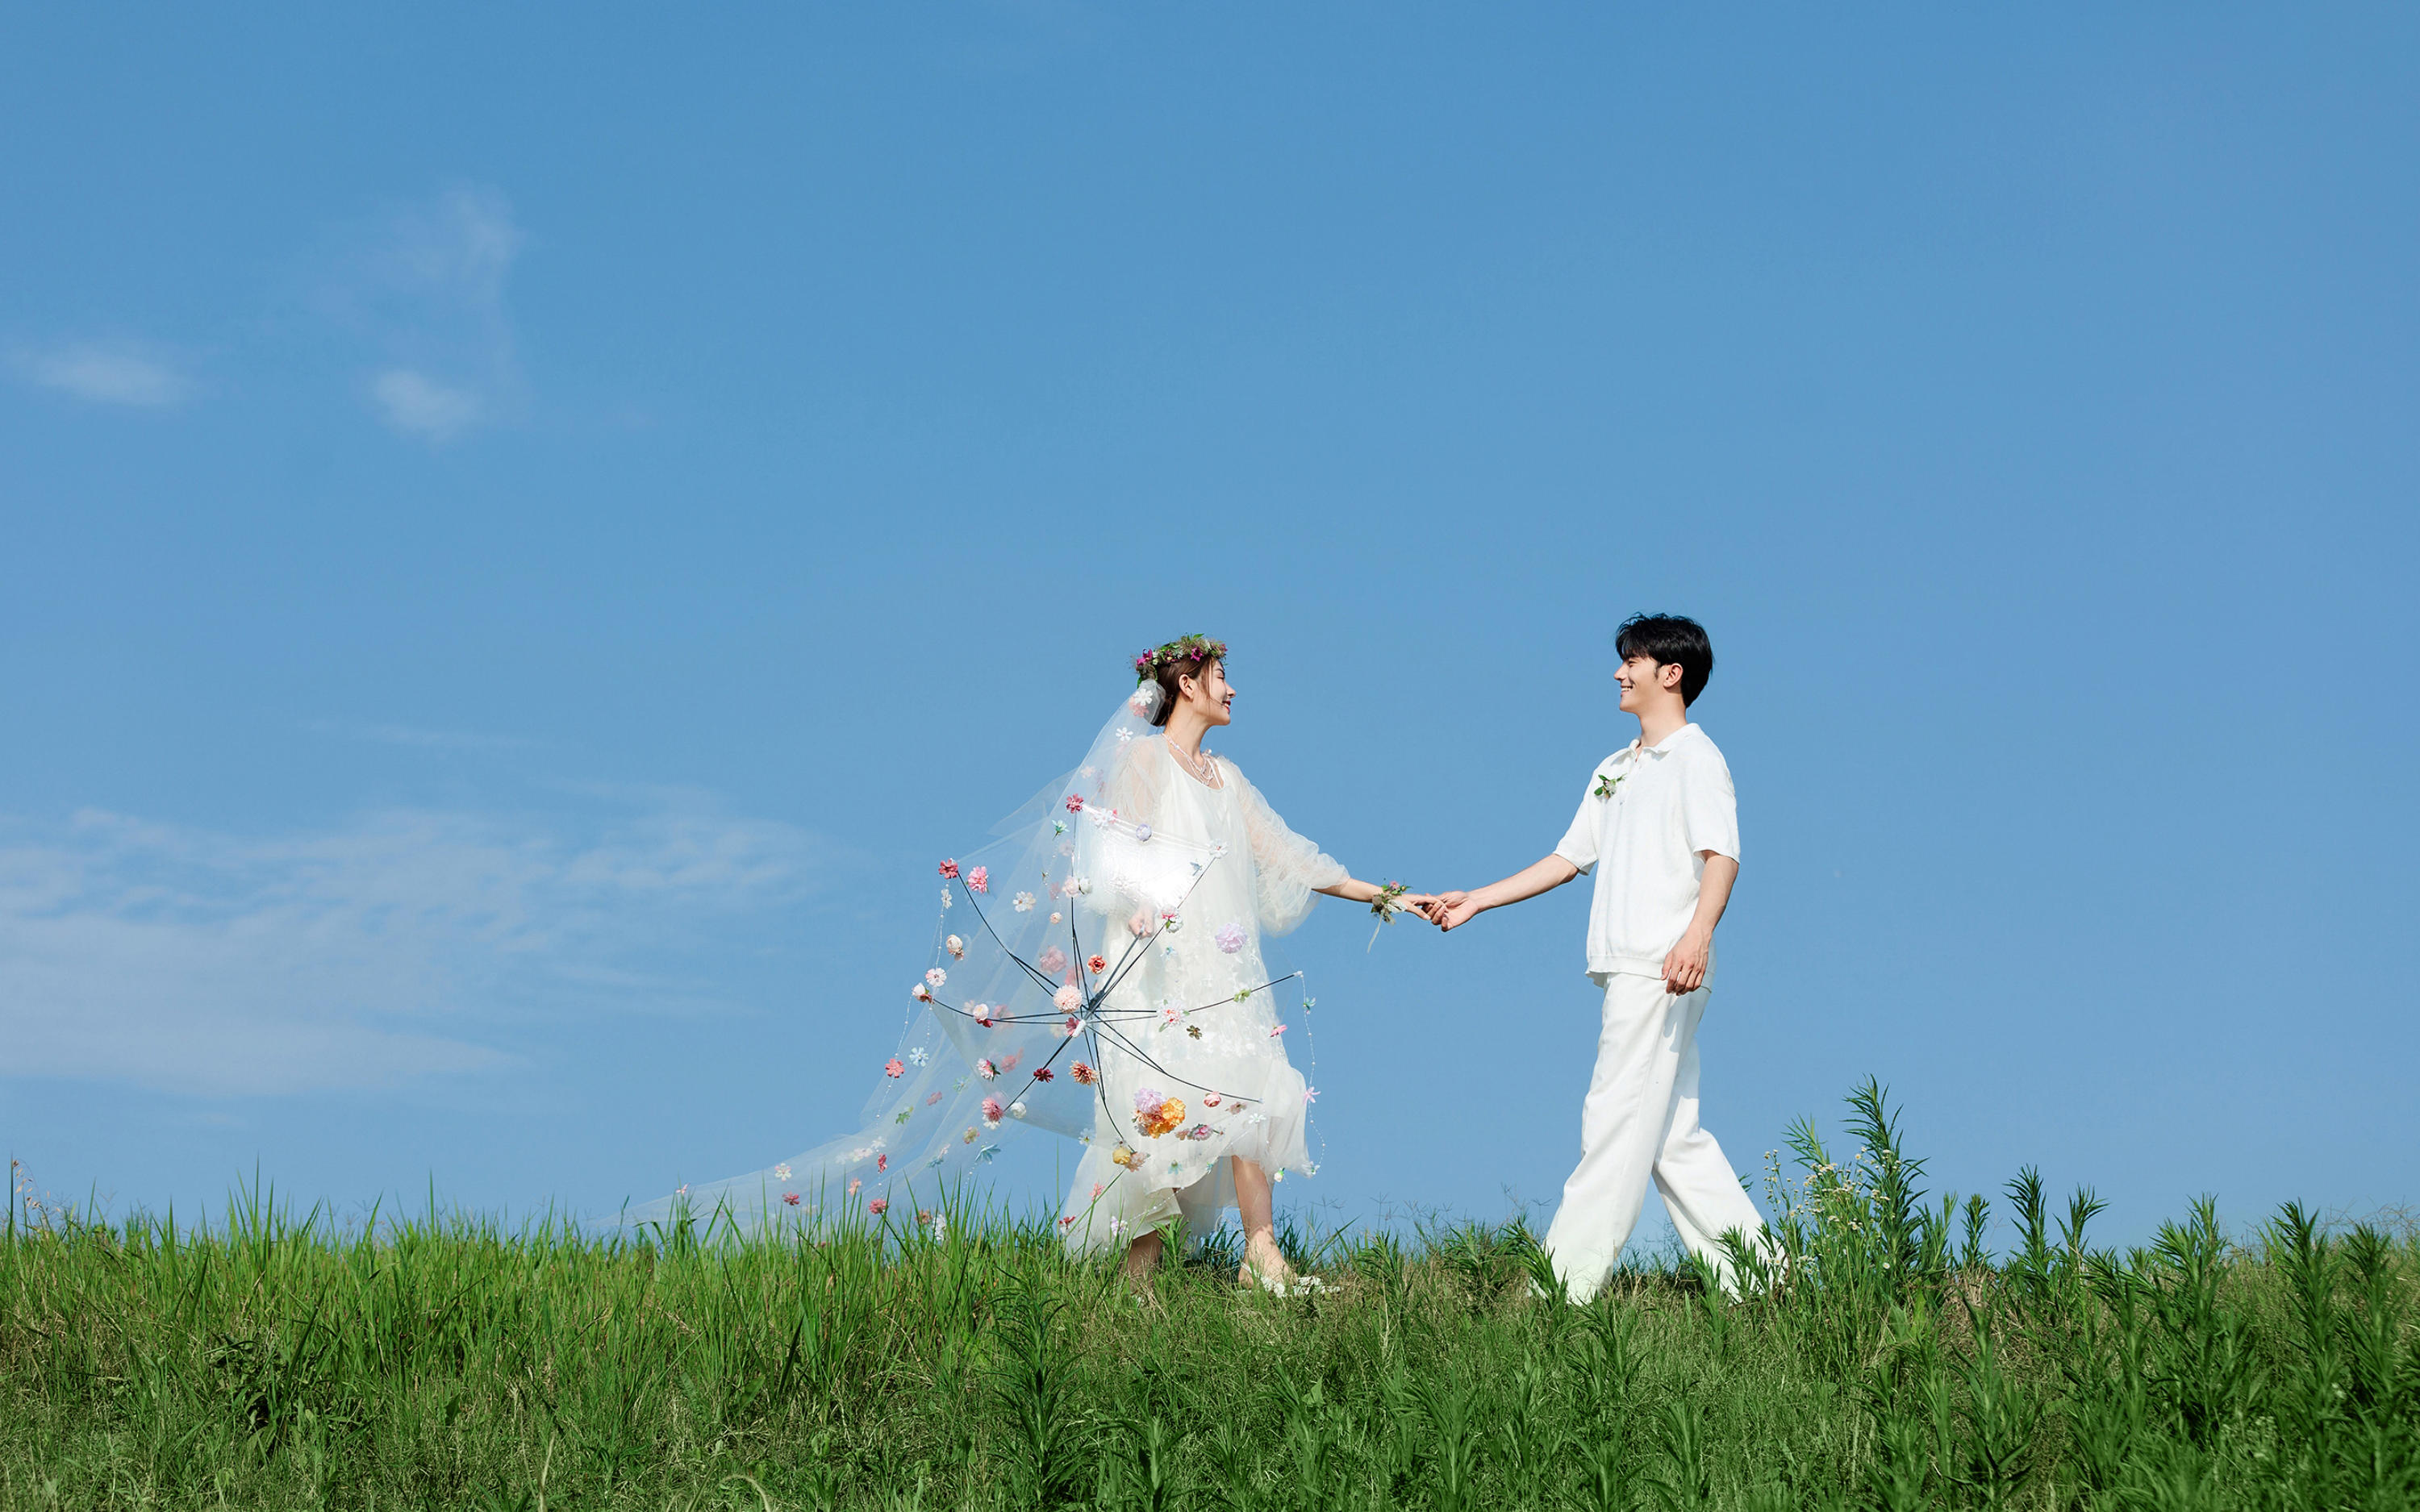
(1286, 868)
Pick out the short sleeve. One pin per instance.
(1709, 812)
(1578, 844)
(1286, 869)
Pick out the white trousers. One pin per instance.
(1640, 1121)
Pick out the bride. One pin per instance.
(1192, 1020)
(1119, 995)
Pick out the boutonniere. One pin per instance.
(1606, 782)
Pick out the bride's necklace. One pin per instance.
(1205, 769)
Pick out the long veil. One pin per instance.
(1036, 928)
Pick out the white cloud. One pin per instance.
(427, 284)
(391, 948)
(418, 405)
(106, 374)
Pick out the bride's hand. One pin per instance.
(1422, 903)
(1140, 925)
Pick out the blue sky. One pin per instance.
(523, 536)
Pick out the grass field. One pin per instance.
(1890, 1362)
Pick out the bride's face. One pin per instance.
(1210, 695)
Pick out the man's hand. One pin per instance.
(1684, 968)
(1433, 907)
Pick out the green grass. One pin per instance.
(1887, 1363)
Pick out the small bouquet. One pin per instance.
(1388, 902)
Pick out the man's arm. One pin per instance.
(1449, 909)
(1684, 967)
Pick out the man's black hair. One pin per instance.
(1672, 639)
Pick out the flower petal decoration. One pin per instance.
(893, 1069)
(935, 978)
(956, 947)
(949, 869)
(980, 879)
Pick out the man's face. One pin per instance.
(1638, 674)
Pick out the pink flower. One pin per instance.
(980, 879)
(1310, 1094)
(930, 1101)
(1075, 804)
(1097, 1190)
(1067, 1222)
(1051, 962)
(878, 1206)
(1067, 997)
(1211, 1101)
(891, 1067)
(790, 1197)
(1147, 1099)
(1280, 1030)
(1073, 1028)
(1230, 937)
(853, 1183)
(1097, 965)
(949, 869)
(1010, 1063)
(991, 1110)
(985, 1070)
(882, 1162)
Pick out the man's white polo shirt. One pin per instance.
(1644, 817)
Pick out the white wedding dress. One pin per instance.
(1195, 1072)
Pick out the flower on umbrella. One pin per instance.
(1075, 804)
(782, 1172)
(985, 1070)
(992, 1110)
(980, 879)
(1124, 1155)
(984, 1155)
(1009, 1062)
(891, 1067)
(1230, 937)
(1210, 1100)
(1024, 903)
(1016, 1109)
(1073, 1028)
(947, 902)
(921, 993)
(982, 1012)
(919, 1056)
(1043, 1073)
(1083, 1073)
(1097, 965)
(1156, 1115)
(1172, 1015)
(967, 1137)
(934, 978)
(930, 1101)
(956, 947)
(1052, 960)
(882, 1162)
(790, 1197)
(1067, 997)
(949, 869)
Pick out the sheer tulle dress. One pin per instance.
(1197, 1074)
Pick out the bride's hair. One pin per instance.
(1169, 665)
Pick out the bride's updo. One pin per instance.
(1174, 662)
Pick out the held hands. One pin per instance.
(1447, 910)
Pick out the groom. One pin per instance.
(1658, 826)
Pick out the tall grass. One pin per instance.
(1875, 1357)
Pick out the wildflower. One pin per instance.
(1023, 903)
(854, 1184)
(956, 947)
(1067, 997)
(1042, 1073)
(985, 1070)
(790, 1197)
(1117, 1226)
(1083, 1073)
(1097, 1190)
(1053, 961)
(980, 879)
(1067, 1221)
(1097, 965)
(891, 1067)
(934, 978)
(1230, 937)
(949, 870)
(782, 1172)
(878, 1206)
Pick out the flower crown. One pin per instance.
(1192, 648)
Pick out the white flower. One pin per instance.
(985, 1070)
(1055, 915)
(921, 993)
(1024, 903)
(1125, 734)
(919, 1056)
(1076, 885)
(945, 898)
(782, 1172)
(1016, 1109)
(936, 977)
(956, 947)
(1170, 1015)
(1067, 997)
